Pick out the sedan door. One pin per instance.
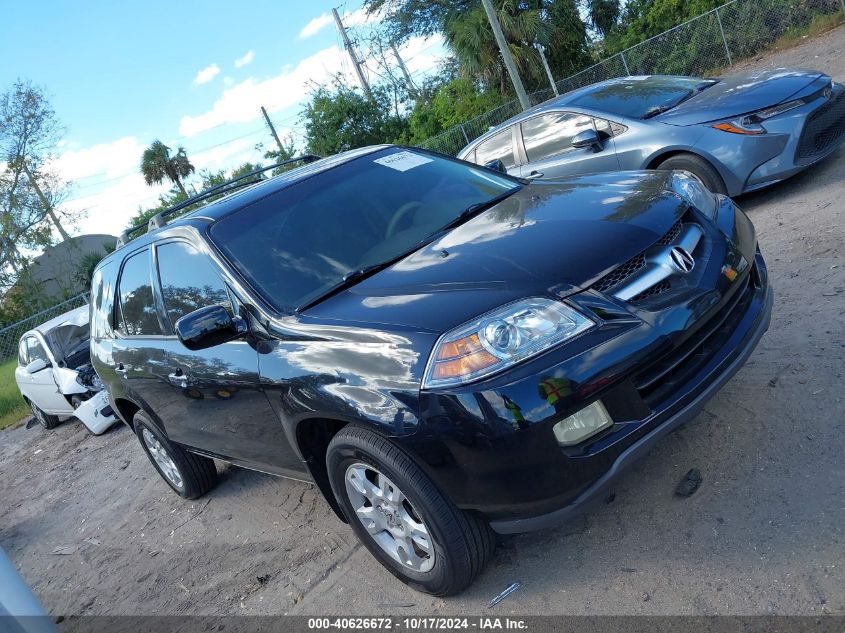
(41, 387)
(547, 144)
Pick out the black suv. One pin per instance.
(442, 348)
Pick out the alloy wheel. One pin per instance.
(388, 516)
(162, 458)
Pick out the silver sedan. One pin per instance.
(736, 134)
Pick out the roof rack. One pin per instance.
(160, 219)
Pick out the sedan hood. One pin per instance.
(742, 93)
(553, 237)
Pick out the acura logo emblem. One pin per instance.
(681, 260)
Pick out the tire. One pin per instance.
(47, 421)
(461, 542)
(194, 474)
(699, 167)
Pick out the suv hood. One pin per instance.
(743, 93)
(553, 237)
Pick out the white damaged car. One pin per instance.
(55, 376)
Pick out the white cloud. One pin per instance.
(226, 156)
(359, 17)
(242, 102)
(207, 74)
(246, 59)
(107, 159)
(316, 25)
(108, 211)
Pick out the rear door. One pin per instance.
(547, 146)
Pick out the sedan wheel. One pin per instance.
(45, 420)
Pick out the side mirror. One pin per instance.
(39, 364)
(496, 165)
(208, 327)
(587, 138)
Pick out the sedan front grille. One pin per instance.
(822, 130)
(620, 273)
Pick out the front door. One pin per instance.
(41, 387)
(547, 139)
(218, 405)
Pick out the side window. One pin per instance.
(188, 280)
(102, 300)
(551, 134)
(499, 146)
(22, 357)
(35, 350)
(603, 128)
(137, 307)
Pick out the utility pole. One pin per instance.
(542, 52)
(273, 131)
(352, 54)
(409, 83)
(506, 54)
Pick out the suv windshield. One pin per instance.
(300, 242)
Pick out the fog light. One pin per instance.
(579, 426)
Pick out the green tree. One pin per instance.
(157, 165)
(442, 106)
(604, 14)
(339, 118)
(555, 24)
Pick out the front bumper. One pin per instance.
(641, 447)
(490, 446)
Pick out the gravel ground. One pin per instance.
(94, 530)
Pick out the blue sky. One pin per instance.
(190, 73)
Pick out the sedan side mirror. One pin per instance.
(39, 364)
(208, 327)
(587, 138)
(496, 165)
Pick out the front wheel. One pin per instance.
(45, 420)
(401, 516)
(699, 168)
(189, 475)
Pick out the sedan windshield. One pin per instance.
(639, 97)
(304, 240)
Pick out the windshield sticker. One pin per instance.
(403, 161)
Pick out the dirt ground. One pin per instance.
(94, 531)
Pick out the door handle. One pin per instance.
(534, 174)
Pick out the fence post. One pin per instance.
(625, 64)
(725, 41)
(465, 132)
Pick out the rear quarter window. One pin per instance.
(102, 300)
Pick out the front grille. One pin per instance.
(664, 376)
(672, 235)
(659, 288)
(619, 274)
(822, 130)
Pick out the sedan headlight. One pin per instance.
(750, 123)
(691, 190)
(500, 339)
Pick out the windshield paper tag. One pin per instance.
(403, 161)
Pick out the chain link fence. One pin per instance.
(11, 334)
(704, 45)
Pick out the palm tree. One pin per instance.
(157, 164)
(604, 14)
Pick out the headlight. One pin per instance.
(688, 187)
(750, 123)
(500, 339)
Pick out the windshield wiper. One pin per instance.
(473, 210)
(653, 111)
(354, 276)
